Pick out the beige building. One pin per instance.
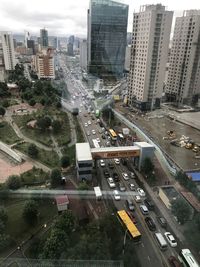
(43, 64)
(8, 50)
(149, 51)
(183, 82)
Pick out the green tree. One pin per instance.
(3, 215)
(32, 102)
(2, 111)
(5, 103)
(44, 123)
(58, 104)
(13, 182)
(181, 210)
(65, 161)
(55, 178)
(4, 90)
(147, 166)
(30, 212)
(33, 151)
(56, 125)
(4, 241)
(65, 222)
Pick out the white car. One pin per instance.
(125, 176)
(116, 195)
(141, 192)
(132, 187)
(137, 198)
(88, 133)
(117, 161)
(102, 163)
(89, 122)
(111, 182)
(86, 125)
(98, 140)
(170, 238)
(93, 132)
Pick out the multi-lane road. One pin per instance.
(148, 251)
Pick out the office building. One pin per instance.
(26, 38)
(70, 50)
(2, 65)
(107, 37)
(83, 54)
(127, 58)
(31, 45)
(183, 81)
(149, 52)
(44, 41)
(8, 50)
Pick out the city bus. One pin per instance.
(187, 259)
(112, 134)
(95, 143)
(160, 240)
(129, 225)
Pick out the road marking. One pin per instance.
(148, 258)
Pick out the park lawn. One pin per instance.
(64, 135)
(79, 132)
(34, 176)
(70, 152)
(48, 158)
(7, 134)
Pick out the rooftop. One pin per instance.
(143, 144)
(62, 200)
(195, 176)
(83, 152)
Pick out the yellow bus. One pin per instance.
(130, 226)
(113, 134)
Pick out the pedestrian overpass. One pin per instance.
(87, 156)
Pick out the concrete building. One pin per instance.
(70, 49)
(44, 41)
(2, 65)
(107, 37)
(43, 64)
(183, 83)
(127, 58)
(8, 50)
(149, 52)
(27, 37)
(84, 161)
(83, 54)
(31, 45)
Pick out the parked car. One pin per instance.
(138, 198)
(116, 195)
(88, 133)
(110, 165)
(125, 176)
(174, 262)
(141, 192)
(162, 221)
(132, 175)
(149, 204)
(86, 125)
(122, 188)
(170, 238)
(98, 140)
(116, 176)
(117, 161)
(93, 132)
(103, 136)
(132, 187)
(106, 173)
(102, 163)
(150, 223)
(129, 204)
(89, 122)
(111, 182)
(144, 209)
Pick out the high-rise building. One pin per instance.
(70, 50)
(149, 52)
(8, 50)
(83, 54)
(2, 65)
(26, 38)
(107, 34)
(44, 42)
(183, 81)
(127, 58)
(31, 45)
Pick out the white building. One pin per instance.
(127, 58)
(8, 50)
(149, 51)
(84, 161)
(183, 83)
(83, 54)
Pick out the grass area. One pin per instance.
(64, 136)
(70, 152)
(48, 158)
(7, 134)
(79, 132)
(34, 176)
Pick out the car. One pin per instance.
(98, 140)
(102, 163)
(132, 187)
(125, 176)
(174, 262)
(129, 204)
(141, 192)
(149, 204)
(110, 165)
(171, 240)
(93, 118)
(116, 195)
(103, 129)
(144, 209)
(89, 122)
(117, 161)
(103, 136)
(122, 188)
(109, 138)
(111, 182)
(138, 198)
(150, 223)
(116, 176)
(106, 173)
(132, 175)
(132, 217)
(86, 125)
(85, 115)
(162, 221)
(98, 120)
(106, 133)
(93, 132)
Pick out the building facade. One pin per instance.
(44, 40)
(8, 50)
(149, 52)
(127, 58)
(83, 54)
(107, 37)
(183, 81)
(31, 45)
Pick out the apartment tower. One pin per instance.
(8, 50)
(183, 82)
(149, 52)
(44, 40)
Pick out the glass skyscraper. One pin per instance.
(107, 33)
(44, 41)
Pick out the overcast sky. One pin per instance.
(64, 17)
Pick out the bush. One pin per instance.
(32, 102)
(33, 151)
(30, 212)
(13, 182)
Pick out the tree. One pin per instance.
(32, 102)
(65, 161)
(33, 151)
(3, 216)
(2, 111)
(5, 103)
(65, 222)
(147, 166)
(13, 182)
(4, 90)
(56, 125)
(30, 212)
(44, 123)
(181, 210)
(55, 177)
(58, 104)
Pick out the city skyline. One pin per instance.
(66, 17)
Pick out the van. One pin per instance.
(161, 240)
(144, 209)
